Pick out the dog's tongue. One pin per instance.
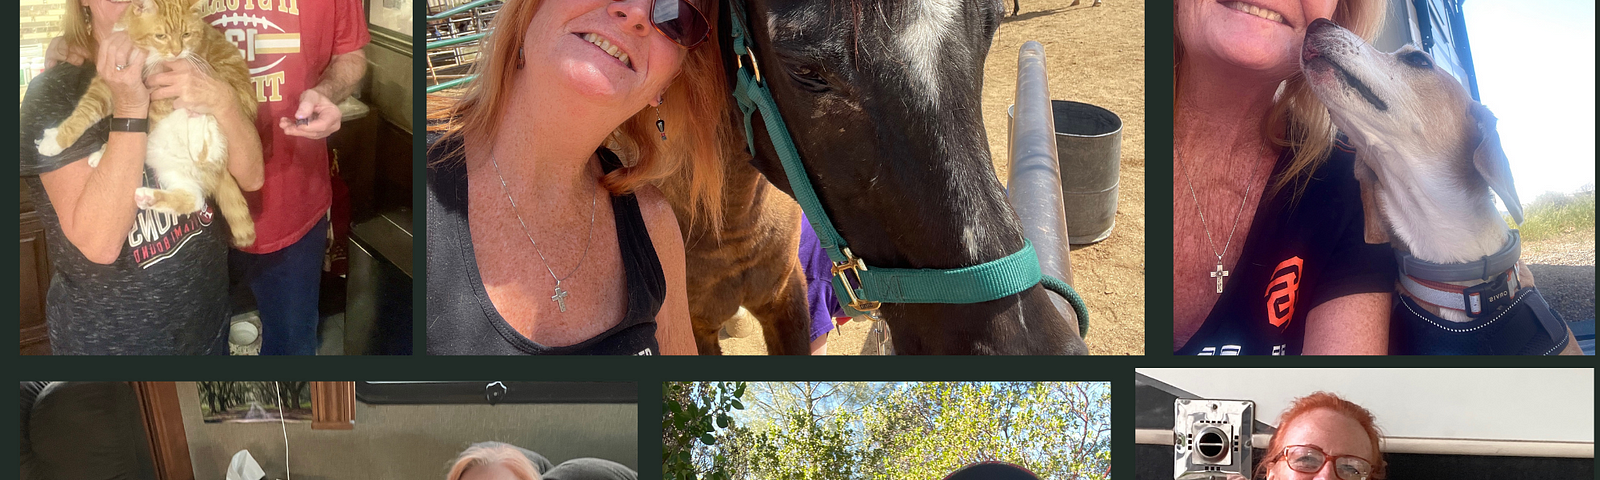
(1310, 51)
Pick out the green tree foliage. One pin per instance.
(1057, 430)
(914, 431)
(692, 414)
(799, 431)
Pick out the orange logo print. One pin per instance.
(1281, 292)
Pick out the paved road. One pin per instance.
(1569, 289)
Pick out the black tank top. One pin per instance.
(462, 320)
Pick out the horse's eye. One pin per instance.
(1417, 59)
(809, 79)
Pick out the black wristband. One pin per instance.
(136, 125)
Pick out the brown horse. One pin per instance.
(751, 262)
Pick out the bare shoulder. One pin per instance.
(658, 216)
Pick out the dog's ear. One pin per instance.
(1376, 231)
(1491, 161)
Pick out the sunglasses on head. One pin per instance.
(1310, 459)
(680, 22)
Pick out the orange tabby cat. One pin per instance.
(186, 151)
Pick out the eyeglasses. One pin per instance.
(1310, 459)
(680, 22)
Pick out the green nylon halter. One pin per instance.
(991, 280)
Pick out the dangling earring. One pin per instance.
(520, 62)
(661, 125)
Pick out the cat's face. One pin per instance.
(166, 29)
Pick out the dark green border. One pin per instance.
(650, 372)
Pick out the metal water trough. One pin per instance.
(1089, 149)
(1034, 186)
(1089, 141)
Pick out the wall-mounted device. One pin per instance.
(1211, 438)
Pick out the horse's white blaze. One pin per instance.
(922, 41)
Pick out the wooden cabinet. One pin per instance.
(35, 267)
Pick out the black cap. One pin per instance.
(992, 471)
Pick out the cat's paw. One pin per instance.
(94, 158)
(47, 143)
(144, 198)
(243, 237)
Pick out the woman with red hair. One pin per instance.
(546, 233)
(1324, 437)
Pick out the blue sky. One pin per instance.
(1535, 66)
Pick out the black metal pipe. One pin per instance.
(1034, 185)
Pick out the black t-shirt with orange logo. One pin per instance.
(1296, 256)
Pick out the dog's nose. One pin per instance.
(1319, 25)
(1319, 36)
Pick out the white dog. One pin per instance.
(1427, 158)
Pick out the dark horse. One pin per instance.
(882, 99)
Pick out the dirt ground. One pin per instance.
(1094, 55)
(1563, 268)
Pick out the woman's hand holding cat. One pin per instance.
(122, 67)
(191, 89)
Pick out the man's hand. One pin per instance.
(191, 88)
(58, 52)
(321, 115)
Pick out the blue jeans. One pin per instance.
(286, 284)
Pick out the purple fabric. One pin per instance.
(819, 285)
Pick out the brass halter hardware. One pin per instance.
(755, 67)
(850, 263)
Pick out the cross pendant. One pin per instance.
(1218, 275)
(560, 298)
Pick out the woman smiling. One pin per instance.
(545, 235)
(1269, 255)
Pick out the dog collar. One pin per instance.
(1481, 269)
(1488, 296)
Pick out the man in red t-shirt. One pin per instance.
(304, 56)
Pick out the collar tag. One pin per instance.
(1491, 294)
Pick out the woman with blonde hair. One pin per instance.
(492, 461)
(1323, 436)
(502, 461)
(126, 279)
(1269, 255)
(545, 233)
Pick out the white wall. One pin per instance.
(1498, 404)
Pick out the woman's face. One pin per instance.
(1260, 35)
(104, 13)
(605, 50)
(1334, 433)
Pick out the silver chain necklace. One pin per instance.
(560, 296)
(1219, 273)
